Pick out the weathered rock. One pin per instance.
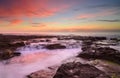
(78, 70)
(105, 53)
(55, 46)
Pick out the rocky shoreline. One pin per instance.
(94, 67)
(100, 60)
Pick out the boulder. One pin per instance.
(78, 70)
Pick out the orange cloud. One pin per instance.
(15, 21)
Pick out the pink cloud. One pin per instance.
(31, 8)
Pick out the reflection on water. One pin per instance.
(25, 64)
(30, 58)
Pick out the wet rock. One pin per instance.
(55, 46)
(17, 54)
(78, 70)
(7, 54)
(105, 53)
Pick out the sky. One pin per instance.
(59, 15)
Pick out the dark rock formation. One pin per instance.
(47, 40)
(7, 49)
(105, 53)
(55, 46)
(6, 54)
(18, 44)
(78, 70)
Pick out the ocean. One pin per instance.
(107, 34)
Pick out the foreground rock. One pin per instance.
(78, 70)
(55, 46)
(105, 53)
(47, 73)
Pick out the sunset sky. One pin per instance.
(59, 15)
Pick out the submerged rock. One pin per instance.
(55, 46)
(78, 70)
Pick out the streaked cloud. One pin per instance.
(44, 24)
(97, 14)
(39, 25)
(110, 20)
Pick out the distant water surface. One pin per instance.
(107, 34)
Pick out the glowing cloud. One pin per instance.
(30, 8)
(15, 21)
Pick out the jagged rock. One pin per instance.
(78, 70)
(55, 46)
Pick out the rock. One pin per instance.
(19, 44)
(47, 40)
(17, 54)
(46, 73)
(78, 70)
(7, 54)
(55, 46)
(105, 53)
(87, 42)
(40, 74)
